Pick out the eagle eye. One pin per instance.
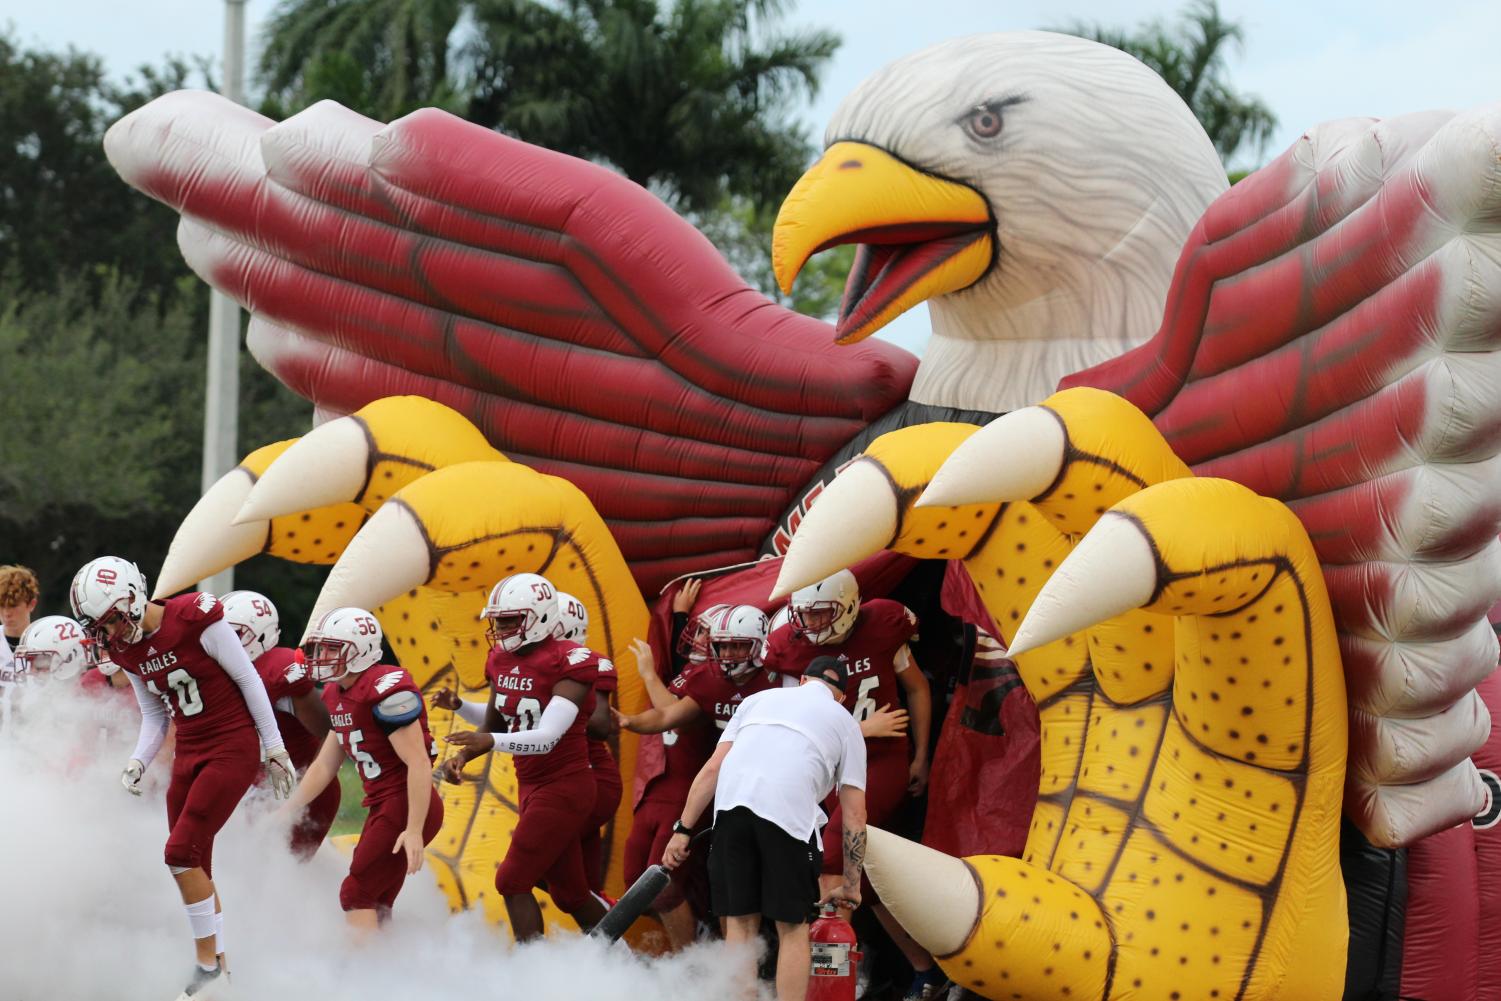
(984, 122)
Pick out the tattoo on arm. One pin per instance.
(854, 855)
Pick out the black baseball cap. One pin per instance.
(828, 668)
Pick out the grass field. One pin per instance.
(351, 815)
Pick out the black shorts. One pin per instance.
(755, 867)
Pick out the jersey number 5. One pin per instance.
(186, 686)
(368, 766)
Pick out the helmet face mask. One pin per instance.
(522, 610)
(255, 621)
(693, 642)
(52, 647)
(736, 640)
(825, 612)
(108, 596)
(346, 641)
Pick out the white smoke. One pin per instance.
(88, 910)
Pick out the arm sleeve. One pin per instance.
(472, 713)
(221, 643)
(153, 722)
(556, 719)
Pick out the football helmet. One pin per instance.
(255, 620)
(825, 612)
(54, 646)
(107, 590)
(573, 618)
(693, 642)
(521, 610)
(345, 641)
(737, 640)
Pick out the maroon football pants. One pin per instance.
(207, 784)
(545, 844)
(607, 792)
(376, 873)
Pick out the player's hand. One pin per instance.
(917, 777)
(450, 771)
(885, 722)
(646, 663)
(447, 698)
(130, 778)
(283, 775)
(687, 596)
(473, 742)
(412, 842)
(676, 852)
(842, 895)
(621, 719)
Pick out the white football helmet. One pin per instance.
(737, 641)
(522, 610)
(573, 618)
(54, 646)
(693, 643)
(255, 619)
(107, 590)
(345, 641)
(825, 612)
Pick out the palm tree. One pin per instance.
(688, 97)
(1190, 56)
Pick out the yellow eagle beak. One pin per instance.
(920, 235)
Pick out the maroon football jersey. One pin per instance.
(205, 703)
(717, 695)
(521, 685)
(364, 739)
(283, 673)
(881, 629)
(287, 678)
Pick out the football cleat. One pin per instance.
(205, 984)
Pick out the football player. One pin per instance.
(186, 664)
(301, 716)
(542, 693)
(828, 618)
(52, 649)
(378, 721)
(724, 668)
(573, 626)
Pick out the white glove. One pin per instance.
(283, 775)
(131, 777)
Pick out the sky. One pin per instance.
(1309, 60)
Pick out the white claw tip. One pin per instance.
(1112, 570)
(328, 465)
(855, 516)
(1015, 457)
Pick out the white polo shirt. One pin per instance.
(792, 747)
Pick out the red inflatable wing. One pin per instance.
(572, 316)
(1331, 339)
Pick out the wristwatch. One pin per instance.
(678, 827)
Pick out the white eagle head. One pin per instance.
(1035, 188)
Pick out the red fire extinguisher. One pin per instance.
(835, 958)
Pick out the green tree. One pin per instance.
(742, 232)
(63, 210)
(1190, 56)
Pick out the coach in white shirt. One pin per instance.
(782, 754)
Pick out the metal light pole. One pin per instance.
(221, 414)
